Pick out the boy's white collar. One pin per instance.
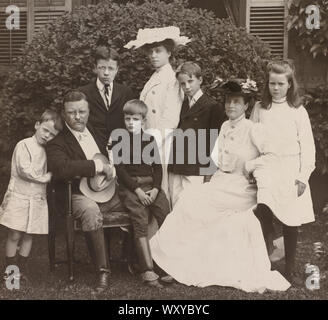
(101, 86)
(195, 97)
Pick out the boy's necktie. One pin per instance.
(106, 87)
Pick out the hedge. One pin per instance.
(60, 56)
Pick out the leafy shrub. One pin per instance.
(60, 57)
(316, 101)
(315, 41)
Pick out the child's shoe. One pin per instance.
(150, 278)
(293, 277)
(167, 279)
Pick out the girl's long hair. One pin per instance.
(281, 67)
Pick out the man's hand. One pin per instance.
(153, 194)
(108, 171)
(143, 197)
(300, 187)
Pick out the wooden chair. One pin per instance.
(114, 219)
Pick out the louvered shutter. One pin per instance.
(266, 19)
(33, 15)
(47, 10)
(11, 41)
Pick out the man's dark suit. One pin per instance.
(207, 114)
(66, 159)
(105, 121)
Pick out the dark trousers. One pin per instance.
(139, 214)
(290, 233)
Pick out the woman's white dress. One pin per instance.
(212, 236)
(289, 131)
(163, 97)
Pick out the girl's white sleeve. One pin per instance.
(25, 167)
(307, 146)
(266, 149)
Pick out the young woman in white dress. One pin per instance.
(212, 236)
(288, 127)
(161, 93)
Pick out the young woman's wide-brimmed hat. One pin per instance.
(152, 35)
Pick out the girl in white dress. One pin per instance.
(212, 236)
(161, 93)
(24, 209)
(288, 127)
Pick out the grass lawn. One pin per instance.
(46, 285)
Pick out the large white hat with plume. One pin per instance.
(151, 35)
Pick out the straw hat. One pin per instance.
(98, 188)
(151, 35)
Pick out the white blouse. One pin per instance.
(290, 130)
(241, 145)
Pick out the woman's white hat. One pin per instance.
(151, 35)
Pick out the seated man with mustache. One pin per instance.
(76, 153)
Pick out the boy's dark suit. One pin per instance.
(105, 121)
(207, 114)
(145, 175)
